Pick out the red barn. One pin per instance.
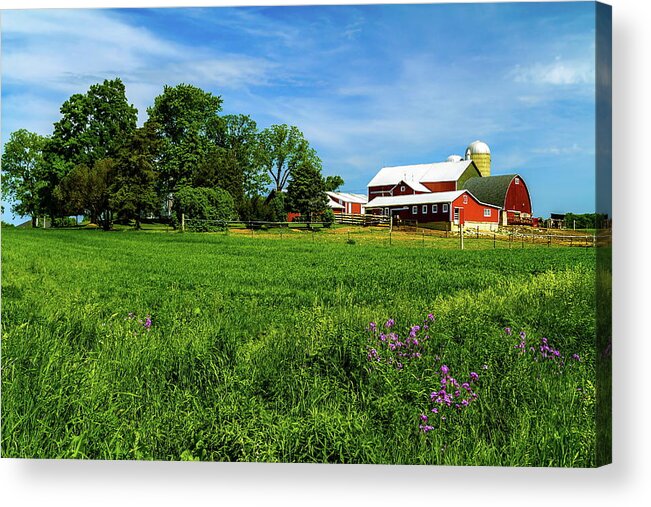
(440, 209)
(509, 192)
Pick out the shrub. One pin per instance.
(205, 203)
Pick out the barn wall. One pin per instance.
(441, 186)
(517, 197)
(474, 211)
(355, 207)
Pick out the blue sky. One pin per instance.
(369, 86)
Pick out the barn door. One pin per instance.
(458, 216)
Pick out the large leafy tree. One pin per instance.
(282, 148)
(86, 190)
(188, 125)
(306, 188)
(23, 173)
(333, 183)
(133, 190)
(94, 125)
(240, 139)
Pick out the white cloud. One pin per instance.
(556, 73)
(61, 52)
(558, 150)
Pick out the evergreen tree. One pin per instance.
(306, 189)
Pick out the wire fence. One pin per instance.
(404, 235)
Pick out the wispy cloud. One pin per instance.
(558, 72)
(65, 51)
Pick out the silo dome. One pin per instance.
(478, 147)
(480, 154)
(454, 158)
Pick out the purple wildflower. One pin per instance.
(390, 323)
(508, 331)
(445, 369)
(473, 376)
(576, 357)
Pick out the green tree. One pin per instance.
(92, 128)
(86, 191)
(188, 126)
(281, 149)
(23, 176)
(204, 203)
(133, 190)
(333, 183)
(221, 169)
(240, 138)
(94, 125)
(306, 189)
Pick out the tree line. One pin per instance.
(186, 158)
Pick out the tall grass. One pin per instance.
(257, 350)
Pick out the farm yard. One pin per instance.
(339, 345)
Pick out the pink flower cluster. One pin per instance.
(388, 347)
(453, 396)
(541, 351)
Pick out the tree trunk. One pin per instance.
(34, 222)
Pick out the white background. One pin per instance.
(626, 482)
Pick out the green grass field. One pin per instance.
(258, 349)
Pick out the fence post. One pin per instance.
(461, 235)
(477, 232)
(182, 222)
(549, 240)
(494, 240)
(423, 237)
(523, 241)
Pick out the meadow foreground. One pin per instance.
(220, 347)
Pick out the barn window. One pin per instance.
(487, 212)
(435, 208)
(414, 210)
(386, 211)
(465, 199)
(402, 188)
(445, 208)
(424, 209)
(517, 181)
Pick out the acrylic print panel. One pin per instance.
(344, 234)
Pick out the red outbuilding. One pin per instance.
(509, 192)
(439, 209)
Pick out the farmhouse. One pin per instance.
(459, 191)
(343, 202)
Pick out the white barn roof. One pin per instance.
(334, 204)
(431, 198)
(348, 197)
(420, 173)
